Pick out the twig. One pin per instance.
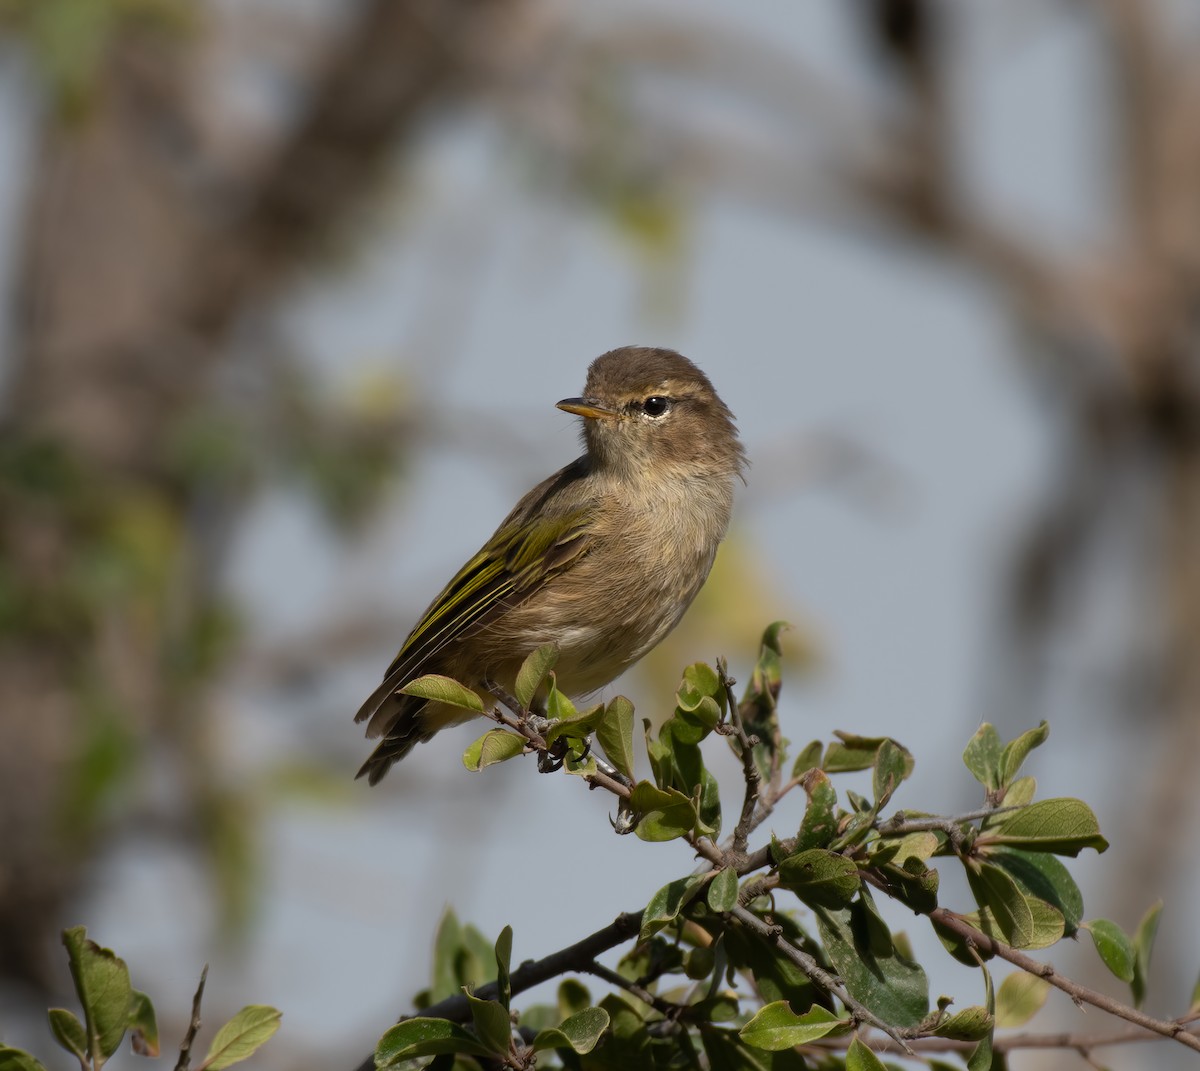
(817, 974)
(1080, 994)
(750, 774)
(899, 825)
(185, 1047)
(663, 1007)
(1079, 1042)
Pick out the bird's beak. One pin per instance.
(588, 408)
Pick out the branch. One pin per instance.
(574, 957)
(816, 973)
(1080, 994)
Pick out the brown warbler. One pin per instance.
(602, 558)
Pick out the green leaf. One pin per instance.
(446, 942)
(493, 1025)
(970, 1024)
(1143, 945)
(576, 725)
(707, 795)
(808, 759)
(850, 752)
(615, 734)
(580, 763)
(757, 707)
(723, 890)
(442, 689)
(1016, 752)
(699, 962)
(1115, 948)
(860, 1058)
(533, 672)
(572, 997)
(981, 1056)
(69, 1032)
(664, 813)
(1061, 826)
(721, 1008)
(665, 905)
(820, 878)
(18, 1060)
(775, 976)
(1006, 911)
(921, 845)
(496, 745)
(893, 764)
(912, 883)
(1019, 999)
(462, 956)
(872, 967)
(579, 1033)
(1044, 877)
(1020, 793)
(503, 960)
(700, 681)
(422, 1036)
(242, 1036)
(819, 826)
(727, 1052)
(776, 1026)
(102, 983)
(961, 948)
(982, 756)
(692, 726)
(558, 704)
(143, 1026)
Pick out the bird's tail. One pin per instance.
(402, 722)
(400, 740)
(398, 720)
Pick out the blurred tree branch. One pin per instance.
(137, 274)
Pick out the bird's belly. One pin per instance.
(591, 655)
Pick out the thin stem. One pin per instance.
(750, 773)
(185, 1047)
(606, 974)
(1081, 994)
(1082, 1043)
(900, 825)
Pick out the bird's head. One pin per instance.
(651, 413)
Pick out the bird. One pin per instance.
(601, 559)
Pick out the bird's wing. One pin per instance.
(517, 562)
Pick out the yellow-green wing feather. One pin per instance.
(516, 562)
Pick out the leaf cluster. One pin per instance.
(775, 955)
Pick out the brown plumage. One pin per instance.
(602, 558)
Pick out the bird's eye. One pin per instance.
(656, 405)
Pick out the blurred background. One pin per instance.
(289, 290)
